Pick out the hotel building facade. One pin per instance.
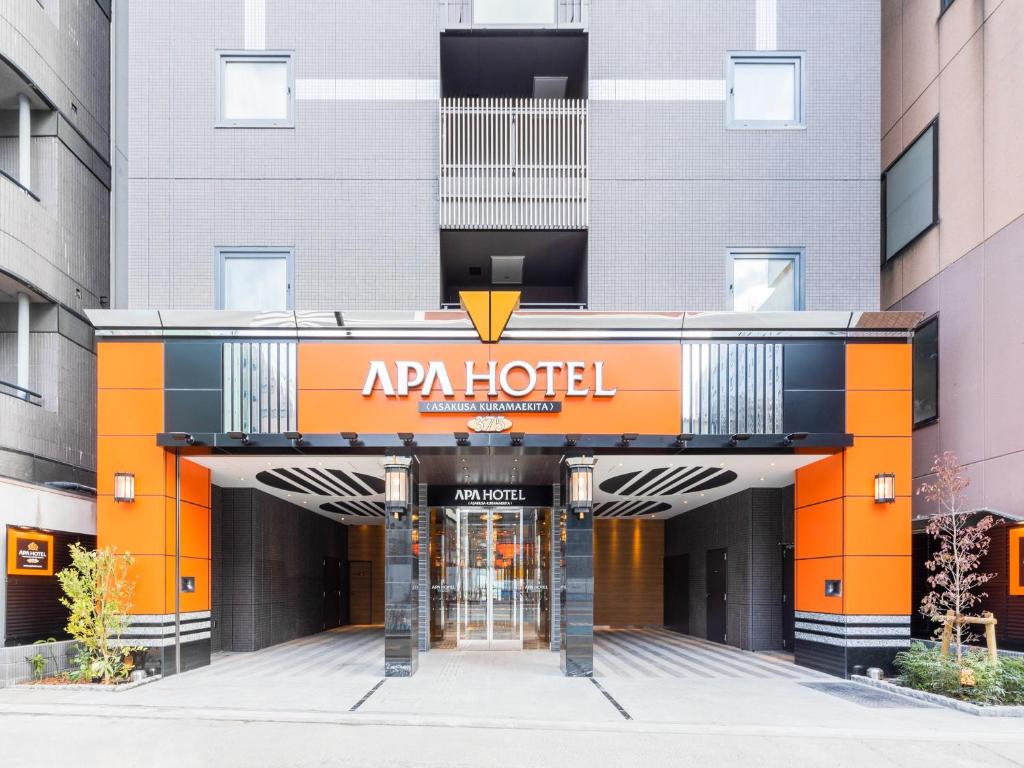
(496, 322)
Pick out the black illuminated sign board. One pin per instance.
(490, 496)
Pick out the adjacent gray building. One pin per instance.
(55, 180)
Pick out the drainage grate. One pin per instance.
(369, 693)
(866, 696)
(619, 707)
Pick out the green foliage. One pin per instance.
(925, 669)
(38, 661)
(98, 596)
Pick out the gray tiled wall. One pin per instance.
(353, 187)
(268, 572)
(750, 525)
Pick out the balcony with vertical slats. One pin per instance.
(514, 164)
(521, 14)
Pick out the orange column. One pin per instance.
(130, 413)
(842, 534)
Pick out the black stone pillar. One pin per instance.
(577, 594)
(401, 595)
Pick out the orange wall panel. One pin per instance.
(873, 455)
(876, 529)
(140, 455)
(136, 528)
(877, 585)
(130, 365)
(333, 365)
(882, 413)
(810, 576)
(820, 481)
(195, 530)
(130, 412)
(195, 480)
(878, 366)
(818, 530)
(150, 574)
(190, 601)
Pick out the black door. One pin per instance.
(677, 593)
(717, 588)
(332, 593)
(787, 597)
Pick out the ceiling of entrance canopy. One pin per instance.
(351, 489)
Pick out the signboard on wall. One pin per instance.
(489, 495)
(1017, 560)
(29, 553)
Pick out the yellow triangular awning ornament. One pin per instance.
(490, 311)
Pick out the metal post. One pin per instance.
(24, 141)
(177, 560)
(23, 343)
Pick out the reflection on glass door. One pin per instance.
(492, 572)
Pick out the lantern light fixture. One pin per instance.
(581, 484)
(124, 486)
(396, 485)
(885, 488)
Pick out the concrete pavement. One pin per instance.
(662, 699)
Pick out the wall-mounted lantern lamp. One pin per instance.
(581, 484)
(124, 486)
(396, 485)
(885, 488)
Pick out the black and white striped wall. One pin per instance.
(835, 643)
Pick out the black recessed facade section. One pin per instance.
(814, 411)
(192, 365)
(192, 410)
(814, 365)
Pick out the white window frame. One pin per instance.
(760, 57)
(796, 255)
(224, 57)
(223, 253)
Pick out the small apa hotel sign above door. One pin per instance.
(29, 553)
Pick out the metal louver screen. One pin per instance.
(259, 386)
(732, 388)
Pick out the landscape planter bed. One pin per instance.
(43, 685)
(981, 710)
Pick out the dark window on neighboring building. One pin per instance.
(943, 5)
(926, 372)
(910, 194)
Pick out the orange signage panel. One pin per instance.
(29, 553)
(1017, 560)
(539, 388)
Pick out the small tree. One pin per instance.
(963, 541)
(98, 595)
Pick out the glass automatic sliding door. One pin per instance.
(492, 570)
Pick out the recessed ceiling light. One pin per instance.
(702, 495)
(762, 479)
(722, 464)
(620, 463)
(772, 464)
(685, 501)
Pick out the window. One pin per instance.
(943, 5)
(765, 280)
(765, 90)
(926, 372)
(910, 194)
(255, 90)
(254, 279)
